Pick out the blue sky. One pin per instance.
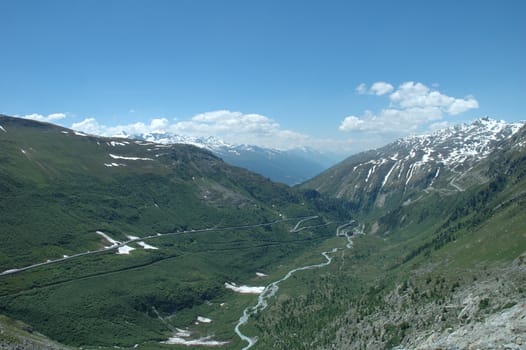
(337, 75)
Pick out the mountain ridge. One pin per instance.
(292, 166)
(390, 175)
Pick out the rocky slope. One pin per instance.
(487, 312)
(462, 287)
(400, 171)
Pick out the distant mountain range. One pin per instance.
(286, 166)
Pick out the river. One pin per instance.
(273, 288)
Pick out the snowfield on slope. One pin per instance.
(204, 341)
(125, 250)
(203, 319)
(244, 289)
(181, 337)
(146, 245)
(108, 238)
(128, 158)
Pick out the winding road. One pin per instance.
(138, 239)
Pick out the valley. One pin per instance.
(131, 239)
(133, 244)
(270, 290)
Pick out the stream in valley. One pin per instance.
(273, 288)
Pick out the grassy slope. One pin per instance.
(57, 192)
(65, 192)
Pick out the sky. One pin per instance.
(339, 76)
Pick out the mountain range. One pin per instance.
(445, 160)
(291, 167)
(140, 244)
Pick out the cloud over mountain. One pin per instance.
(45, 118)
(411, 106)
(231, 126)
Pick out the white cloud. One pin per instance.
(240, 128)
(381, 88)
(42, 118)
(411, 94)
(461, 105)
(232, 127)
(439, 125)
(361, 89)
(92, 126)
(412, 106)
(351, 123)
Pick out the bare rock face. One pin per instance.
(471, 307)
(519, 264)
(486, 313)
(503, 330)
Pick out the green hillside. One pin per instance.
(431, 265)
(212, 223)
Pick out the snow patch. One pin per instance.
(109, 165)
(371, 170)
(182, 333)
(203, 319)
(78, 133)
(401, 170)
(205, 341)
(410, 173)
(388, 173)
(132, 237)
(2, 128)
(244, 289)
(108, 238)
(147, 246)
(125, 250)
(23, 151)
(427, 155)
(261, 274)
(128, 158)
(115, 143)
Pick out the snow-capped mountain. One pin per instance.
(287, 166)
(445, 161)
(454, 146)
